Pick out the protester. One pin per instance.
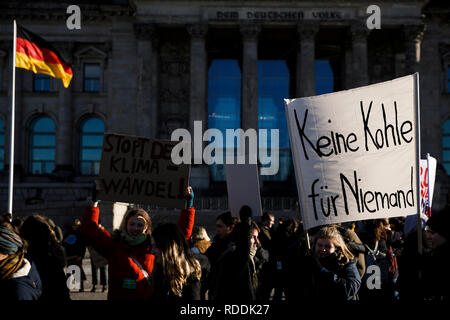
(354, 244)
(436, 276)
(19, 278)
(75, 247)
(57, 229)
(328, 273)
(225, 224)
(99, 265)
(49, 256)
(200, 242)
(266, 227)
(234, 277)
(375, 282)
(177, 274)
(410, 265)
(286, 245)
(129, 249)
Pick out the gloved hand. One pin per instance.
(189, 196)
(330, 262)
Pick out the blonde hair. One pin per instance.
(199, 233)
(333, 234)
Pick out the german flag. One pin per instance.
(35, 54)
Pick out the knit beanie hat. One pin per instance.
(440, 222)
(10, 242)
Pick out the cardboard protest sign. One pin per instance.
(427, 178)
(243, 188)
(140, 170)
(356, 152)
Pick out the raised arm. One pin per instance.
(98, 238)
(186, 217)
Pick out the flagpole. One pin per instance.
(419, 209)
(13, 112)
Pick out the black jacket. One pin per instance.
(233, 277)
(327, 280)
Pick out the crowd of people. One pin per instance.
(249, 258)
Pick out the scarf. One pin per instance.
(133, 241)
(10, 242)
(10, 265)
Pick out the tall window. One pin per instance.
(448, 78)
(41, 82)
(2, 144)
(324, 77)
(273, 87)
(224, 102)
(91, 139)
(42, 142)
(446, 146)
(91, 77)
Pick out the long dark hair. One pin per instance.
(42, 239)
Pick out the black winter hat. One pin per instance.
(440, 222)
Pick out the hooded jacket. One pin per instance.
(125, 279)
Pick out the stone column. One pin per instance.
(198, 107)
(305, 72)
(249, 117)
(360, 67)
(147, 98)
(64, 158)
(413, 39)
(347, 64)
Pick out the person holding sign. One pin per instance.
(328, 273)
(129, 250)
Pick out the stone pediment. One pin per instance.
(91, 52)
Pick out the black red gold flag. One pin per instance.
(35, 54)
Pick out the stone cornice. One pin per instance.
(57, 11)
(250, 31)
(307, 31)
(197, 31)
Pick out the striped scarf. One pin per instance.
(12, 245)
(10, 265)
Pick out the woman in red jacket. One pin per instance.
(129, 250)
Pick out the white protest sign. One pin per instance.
(356, 152)
(427, 178)
(140, 170)
(243, 188)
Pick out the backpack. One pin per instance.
(376, 257)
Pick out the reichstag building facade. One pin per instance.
(148, 67)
